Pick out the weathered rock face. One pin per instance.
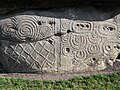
(59, 41)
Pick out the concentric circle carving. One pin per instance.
(111, 45)
(66, 50)
(65, 38)
(45, 31)
(94, 38)
(82, 27)
(93, 48)
(65, 26)
(80, 55)
(107, 29)
(77, 41)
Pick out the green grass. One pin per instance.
(94, 82)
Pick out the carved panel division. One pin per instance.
(41, 43)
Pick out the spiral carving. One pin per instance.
(50, 43)
(27, 28)
(7, 29)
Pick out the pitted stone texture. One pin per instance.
(32, 42)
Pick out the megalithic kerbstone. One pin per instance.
(35, 43)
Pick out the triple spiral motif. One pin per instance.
(78, 40)
(25, 29)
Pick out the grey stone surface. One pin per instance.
(71, 39)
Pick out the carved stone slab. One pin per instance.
(35, 42)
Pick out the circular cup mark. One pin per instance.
(39, 23)
(68, 31)
(111, 28)
(87, 26)
(94, 59)
(118, 47)
(68, 50)
(51, 22)
(77, 25)
(81, 25)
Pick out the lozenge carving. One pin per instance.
(37, 43)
